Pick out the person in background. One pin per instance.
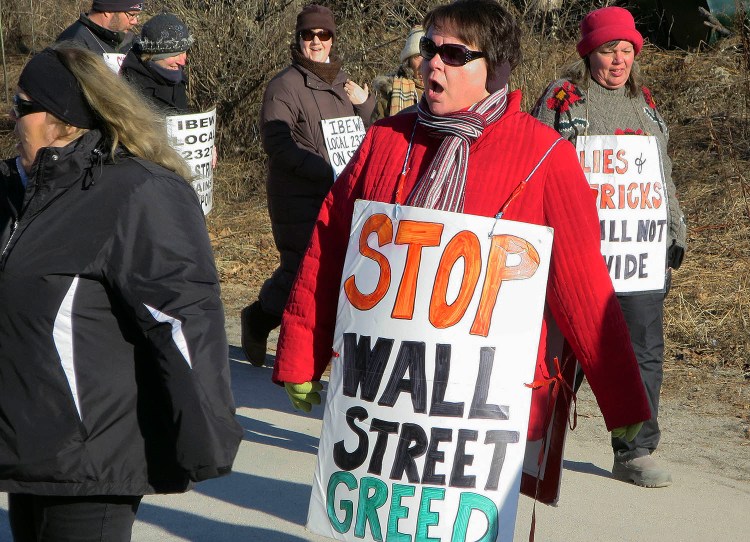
(106, 28)
(602, 93)
(312, 89)
(155, 66)
(114, 379)
(402, 89)
(470, 149)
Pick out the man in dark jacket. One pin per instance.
(106, 28)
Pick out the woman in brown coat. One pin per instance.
(311, 89)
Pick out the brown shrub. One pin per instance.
(704, 96)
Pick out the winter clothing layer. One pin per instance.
(163, 35)
(314, 16)
(573, 110)
(411, 46)
(113, 357)
(168, 96)
(395, 93)
(96, 38)
(116, 5)
(580, 298)
(608, 24)
(64, 99)
(299, 170)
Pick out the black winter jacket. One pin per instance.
(171, 98)
(96, 38)
(114, 377)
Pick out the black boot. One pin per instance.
(256, 324)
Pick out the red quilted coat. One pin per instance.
(579, 292)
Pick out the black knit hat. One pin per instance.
(163, 35)
(116, 5)
(52, 85)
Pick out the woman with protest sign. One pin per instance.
(155, 66)
(602, 95)
(469, 149)
(114, 381)
(300, 169)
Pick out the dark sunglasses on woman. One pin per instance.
(22, 107)
(452, 54)
(309, 35)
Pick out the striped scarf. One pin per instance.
(443, 184)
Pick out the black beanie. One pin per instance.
(163, 35)
(52, 85)
(116, 5)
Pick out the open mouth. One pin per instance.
(435, 87)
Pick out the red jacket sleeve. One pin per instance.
(309, 320)
(582, 299)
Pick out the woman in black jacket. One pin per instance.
(156, 64)
(114, 380)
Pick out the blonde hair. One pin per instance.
(125, 116)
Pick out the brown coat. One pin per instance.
(299, 172)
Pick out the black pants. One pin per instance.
(644, 315)
(38, 518)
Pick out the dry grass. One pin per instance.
(704, 96)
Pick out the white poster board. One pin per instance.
(114, 61)
(631, 197)
(437, 331)
(193, 137)
(342, 137)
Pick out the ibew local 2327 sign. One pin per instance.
(437, 332)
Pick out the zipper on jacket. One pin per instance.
(12, 232)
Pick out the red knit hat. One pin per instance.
(608, 24)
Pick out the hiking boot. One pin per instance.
(253, 345)
(642, 471)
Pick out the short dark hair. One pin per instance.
(484, 24)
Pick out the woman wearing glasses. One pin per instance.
(114, 380)
(469, 149)
(312, 89)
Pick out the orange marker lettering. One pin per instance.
(464, 245)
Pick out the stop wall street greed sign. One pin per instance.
(438, 326)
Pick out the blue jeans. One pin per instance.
(39, 518)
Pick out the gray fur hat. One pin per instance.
(163, 35)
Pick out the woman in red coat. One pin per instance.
(470, 149)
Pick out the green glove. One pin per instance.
(627, 432)
(304, 395)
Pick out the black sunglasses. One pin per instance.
(309, 35)
(452, 54)
(22, 107)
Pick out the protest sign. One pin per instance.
(193, 137)
(114, 61)
(437, 332)
(342, 137)
(631, 197)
